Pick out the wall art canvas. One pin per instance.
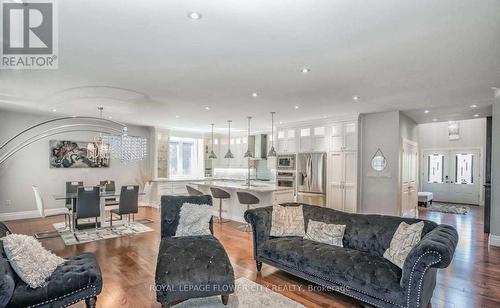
(74, 154)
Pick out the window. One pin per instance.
(305, 132)
(319, 131)
(435, 165)
(184, 160)
(464, 169)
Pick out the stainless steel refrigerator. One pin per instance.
(311, 178)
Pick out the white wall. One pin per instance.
(379, 191)
(495, 173)
(434, 136)
(30, 167)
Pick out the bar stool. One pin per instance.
(220, 194)
(193, 192)
(248, 199)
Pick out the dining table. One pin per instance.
(73, 197)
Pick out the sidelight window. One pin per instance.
(435, 165)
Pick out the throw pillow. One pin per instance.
(330, 234)
(29, 259)
(287, 221)
(405, 238)
(194, 220)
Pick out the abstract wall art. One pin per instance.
(74, 154)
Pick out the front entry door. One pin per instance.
(452, 175)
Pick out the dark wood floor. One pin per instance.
(128, 265)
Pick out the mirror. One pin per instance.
(378, 161)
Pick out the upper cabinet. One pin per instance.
(344, 136)
(287, 141)
(313, 139)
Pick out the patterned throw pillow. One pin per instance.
(194, 220)
(330, 234)
(29, 259)
(287, 221)
(405, 238)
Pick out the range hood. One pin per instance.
(258, 144)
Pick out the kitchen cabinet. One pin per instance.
(282, 196)
(312, 139)
(342, 181)
(287, 142)
(344, 136)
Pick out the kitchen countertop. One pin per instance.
(240, 185)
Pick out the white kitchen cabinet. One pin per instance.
(287, 141)
(282, 196)
(342, 181)
(344, 136)
(312, 139)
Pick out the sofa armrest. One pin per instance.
(435, 249)
(260, 219)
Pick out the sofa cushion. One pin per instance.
(361, 271)
(321, 232)
(366, 233)
(30, 260)
(192, 266)
(406, 237)
(194, 220)
(78, 274)
(287, 220)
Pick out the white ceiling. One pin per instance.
(396, 55)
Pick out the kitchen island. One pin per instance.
(268, 194)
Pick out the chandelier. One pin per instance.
(98, 150)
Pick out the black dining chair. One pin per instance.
(109, 187)
(87, 204)
(128, 203)
(193, 191)
(72, 188)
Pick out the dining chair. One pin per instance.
(87, 204)
(72, 188)
(53, 212)
(109, 187)
(128, 203)
(146, 198)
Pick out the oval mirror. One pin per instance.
(378, 161)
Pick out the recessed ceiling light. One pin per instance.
(476, 115)
(325, 116)
(110, 117)
(356, 98)
(296, 107)
(426, 111)
(305, 70)
(54, 110)
(473, 106)
(207, 108)
(434, 120)
(255, 94)
(194, 15)
(281, 122)
(177, 116)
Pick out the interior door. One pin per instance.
(409, 179)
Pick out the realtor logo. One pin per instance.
(29, 35)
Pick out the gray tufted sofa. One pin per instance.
(358, 269)
(79, 278)
(190, 266)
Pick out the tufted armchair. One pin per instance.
(77, 279)
(190, 266)
(358, 269)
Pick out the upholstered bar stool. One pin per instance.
(220, 194)
(248, 199)
(193, 191)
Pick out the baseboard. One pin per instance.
(494, 240)
(19, 215)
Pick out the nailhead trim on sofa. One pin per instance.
(66, 295)
(422, 276)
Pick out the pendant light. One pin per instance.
(272, 151)
(212, 154)
(229, 154)
(248, 153)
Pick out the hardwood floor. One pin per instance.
(128, 265)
